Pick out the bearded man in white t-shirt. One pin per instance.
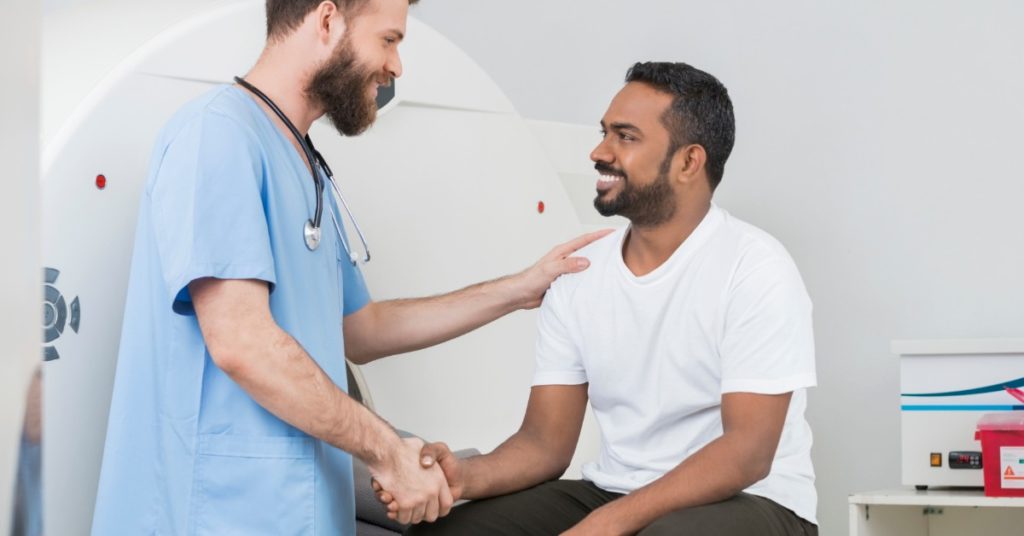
(691, 337)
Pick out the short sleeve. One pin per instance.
(206, 207)
(768, 339)
(353, 287)
(559, 361)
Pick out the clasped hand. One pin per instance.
(432, 457)
(416, 492)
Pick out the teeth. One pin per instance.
(609, 178)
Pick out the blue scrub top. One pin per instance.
(187, 450)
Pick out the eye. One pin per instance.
(390, 40)
(626, 137)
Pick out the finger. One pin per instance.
(393, 507)
(430, 514)
(572, 265)
(385, 497)
(567, 248)
(418, 513)
(375, 485)
(404, 516)
(445, 505)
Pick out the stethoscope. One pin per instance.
(311, 229)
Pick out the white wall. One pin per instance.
(875, 139)
(20, 281)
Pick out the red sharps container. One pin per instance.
(1002, 453)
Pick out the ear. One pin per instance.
(688, 164)
(330, 22)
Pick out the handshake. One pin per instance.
(417, 481)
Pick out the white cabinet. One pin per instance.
(944, 512)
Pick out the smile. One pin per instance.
(606, 181)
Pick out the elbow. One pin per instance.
(758, 453)
(230, 357)
(551, 471)
(762, 471)
(756, 471)
(227, 360)
(359, 357)
(557, 467)
(358, 349)
(560, 471)
(240, 352)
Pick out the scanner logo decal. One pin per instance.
(57, 314)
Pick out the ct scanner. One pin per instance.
(452, 186)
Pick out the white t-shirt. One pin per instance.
(727, 312)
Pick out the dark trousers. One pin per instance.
(554, 507)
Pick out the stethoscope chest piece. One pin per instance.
(311, 234)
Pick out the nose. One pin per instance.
(394, 64)
(601, 153)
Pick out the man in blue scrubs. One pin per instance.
(229, 413)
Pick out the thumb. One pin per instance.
(428, 456)
(431, 453)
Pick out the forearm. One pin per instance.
(710, 475)
(520, 462)
(285, 380)
(400, 326)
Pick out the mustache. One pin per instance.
(605, 169)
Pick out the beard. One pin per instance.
(341, 87)
(644, 206)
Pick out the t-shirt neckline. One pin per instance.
(685, 250)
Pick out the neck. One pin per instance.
(648, 247)
(282, 76)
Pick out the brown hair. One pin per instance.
(283, 16)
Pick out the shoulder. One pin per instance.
(603, 247)
(602, 256)
(212, 136)
(750, 244)
(220, 115)
(755, 255)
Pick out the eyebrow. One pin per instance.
(620, 126)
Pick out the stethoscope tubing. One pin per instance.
(355, 224)
(317, 162)
(305, 142)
